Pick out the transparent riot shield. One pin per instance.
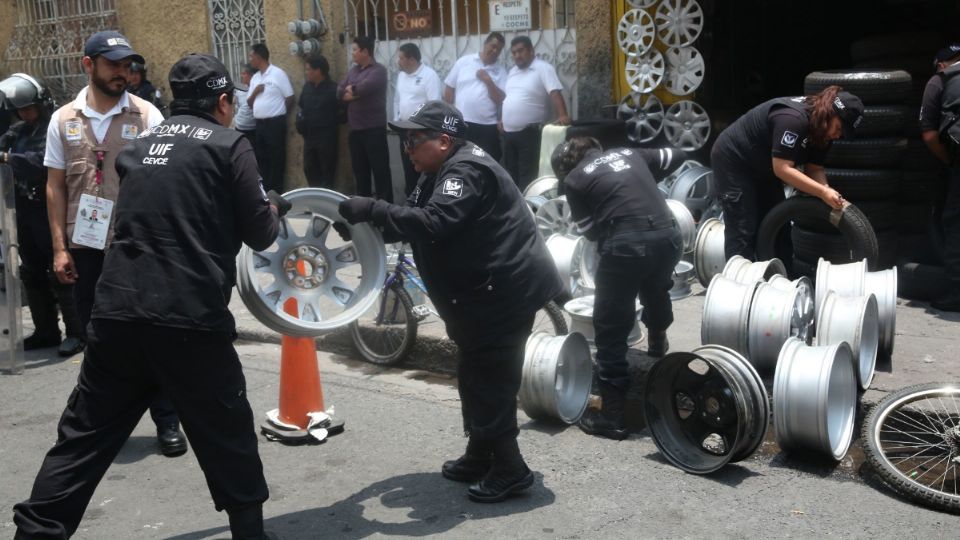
(11, 321)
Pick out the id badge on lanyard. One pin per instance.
(92, 222)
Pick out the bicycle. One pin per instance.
(386, 333)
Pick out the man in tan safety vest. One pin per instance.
(83, 140)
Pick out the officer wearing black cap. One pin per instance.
(190, 196)
(140, 86)
(614, 200)
(940, 129)
(765, 149)
(487, 272)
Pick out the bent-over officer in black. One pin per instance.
(614, 200)
(487, 272)
(940, 129)
(765, 149)
(190, 194)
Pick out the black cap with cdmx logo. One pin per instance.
(436, 115)
(946, 53)
(199, 75)
(111, 45)
(850, 110)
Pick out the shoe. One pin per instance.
(657, 344)
(472, 465)
(35, 341)
(71, 346)
(947, 303)
(507, 476)
(171, 439)
(609, 420)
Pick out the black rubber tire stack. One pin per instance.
(866, 170)
(923, 184)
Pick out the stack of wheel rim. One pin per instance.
(922, 183)
(663, 70)
(865, 170)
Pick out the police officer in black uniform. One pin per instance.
(763, 149)
(614, 200)
(190, 194)
(22, 147)
(138, 85)
(487, 272)
(940, 129)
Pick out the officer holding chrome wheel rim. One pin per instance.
(764, 149)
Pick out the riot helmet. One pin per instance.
(21, 90)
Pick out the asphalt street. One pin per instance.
(381, 476)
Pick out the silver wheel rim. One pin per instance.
(561, 248)
(682, 276)
(845, 279)
(815, 398)
(775, 316)
(583, 268)
(580, 311)
(685, 70)
(883, 285)
(745, 271)
(687, 125)
(332, 282)
(557, 374)
(688, 229)
(694, 189)
(553, 217)
(726, 313)
(645, 72)
(644, 117)
(544, 186)
(854, 320)
(636, 32)
(708, 254)
(672, 177)
(679, 22)
(534, 202)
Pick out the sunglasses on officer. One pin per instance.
(413, 139)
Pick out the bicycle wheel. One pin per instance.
(913, 443)
(550, 320)
(386, 338)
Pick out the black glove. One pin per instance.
(343, 230)
(356, 209)
(283, 205)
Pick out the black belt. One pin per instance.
(641, 223)
(271, 119)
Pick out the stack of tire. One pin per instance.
(866, 169)
(923, 185)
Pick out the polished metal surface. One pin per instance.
(545, 186)
(708, 254)
(726, 314)
(705, 408)
(11, 312)
(815, 398)
(682, 276)
(688, 228)
(694, 188)
(553, 217)
(556, 379)
(853, 279)
(854, 320)
(562, 249)
(744, 271)
(580, 311)
(844, 279)
(583, 268)
(775, 316)
(667, 182)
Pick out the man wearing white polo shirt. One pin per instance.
(529, 84)
(416, 84)
(475, 86)
(270, 97)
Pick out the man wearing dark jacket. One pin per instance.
(318, 123)
(487, 272)
(614, 200)
(190, 195)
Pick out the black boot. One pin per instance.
(472, 465)
(657, 344)
(43, 311)
(609, 420)
(509, 474)
(247, 524)
(171, 439)
(76, 339)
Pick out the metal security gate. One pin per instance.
(236, 26)
(48, 40)
(459, 28)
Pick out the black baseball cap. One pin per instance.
(850, 110)
(198, 75)
(946, 53)
(435, 115)
(111, 45)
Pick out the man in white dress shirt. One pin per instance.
(529, 84)
(270, 97)
(475, 87)
(416, 84)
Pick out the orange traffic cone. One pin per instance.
(301, 393)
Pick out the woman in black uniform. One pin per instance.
(770, 143)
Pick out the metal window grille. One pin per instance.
(459, 28)
(48, 40)
(237, 25)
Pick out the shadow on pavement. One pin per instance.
(137, 448)
(730, 475)
(416, 504)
